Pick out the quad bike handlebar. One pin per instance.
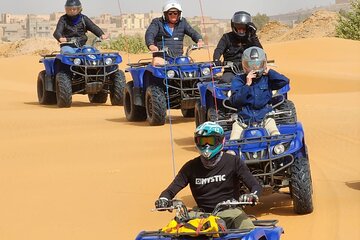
(182, 211)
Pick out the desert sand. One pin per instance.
(86, 173)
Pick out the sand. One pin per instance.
(86, 173)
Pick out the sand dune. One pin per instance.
(87, 173)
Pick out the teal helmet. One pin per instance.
(209, 139)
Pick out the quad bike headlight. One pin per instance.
(279, 149)
(77, 61)
(108, 61)
(170, 73)
(205, 71)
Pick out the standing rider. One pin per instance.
(232, 44)
(74, 25)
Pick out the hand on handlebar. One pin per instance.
(250, 197)
(162, 203)
(153, 48)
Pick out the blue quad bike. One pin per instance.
(264, 229)
(277, 162)
(154, 89)
(87, 71)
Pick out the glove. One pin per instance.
(251, 28)
(217, 62)
(162, 203)
(251, 197)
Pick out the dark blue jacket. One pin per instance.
(156, 31)
(253, 102)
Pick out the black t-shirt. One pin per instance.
(211, 186)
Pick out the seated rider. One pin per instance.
(214, 177)
(74, 24)
(251, 92)
(232, 44)
(169, 30)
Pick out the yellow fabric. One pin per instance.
(195, 226)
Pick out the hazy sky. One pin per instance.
(214, 8)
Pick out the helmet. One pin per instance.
(254, 58)
(73, 7)
(240, 17)
(209, 139)
(169, 5)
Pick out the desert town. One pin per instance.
(86, 172)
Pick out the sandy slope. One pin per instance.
(87, 173)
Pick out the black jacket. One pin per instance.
(76, 27)
(232, 47)
(156, 31)
(211, 186)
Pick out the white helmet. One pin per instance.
(172, 4)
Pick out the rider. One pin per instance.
(232, 44)
(251, 92)
(74, 24)
(169, 30)
(214, 176)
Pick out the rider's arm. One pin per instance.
(151, 32)
(58, 33)
(220, 49)
(245, 176)
(92, 27)
(181, 180)
(277, 80)
(240, 91)
(191, 32)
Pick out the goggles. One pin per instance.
(208, 140)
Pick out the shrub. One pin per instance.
(348, 26)
(129, 44)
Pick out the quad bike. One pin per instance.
(264, 229)
(87, 71)
(154, 89)
(277, 162)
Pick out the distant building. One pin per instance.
(38, 27)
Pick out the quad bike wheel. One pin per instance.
(45, 97)
(287, 105)
(188, 113)
(198, 115)
(155, 102)
(98, 98)
(301, 186)
(211, 114)
(132, 111)
(63, 90)
(117, 91)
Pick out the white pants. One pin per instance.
(269, 125)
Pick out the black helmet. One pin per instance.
(240, 17)
(73, 8)
(73, 3)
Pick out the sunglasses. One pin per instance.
(172, 13)
(210, 140)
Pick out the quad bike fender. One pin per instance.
(49, 83)
(138, 97)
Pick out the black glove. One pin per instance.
(162, 203)
(251, 28)
(217, 62)
(250, 197)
